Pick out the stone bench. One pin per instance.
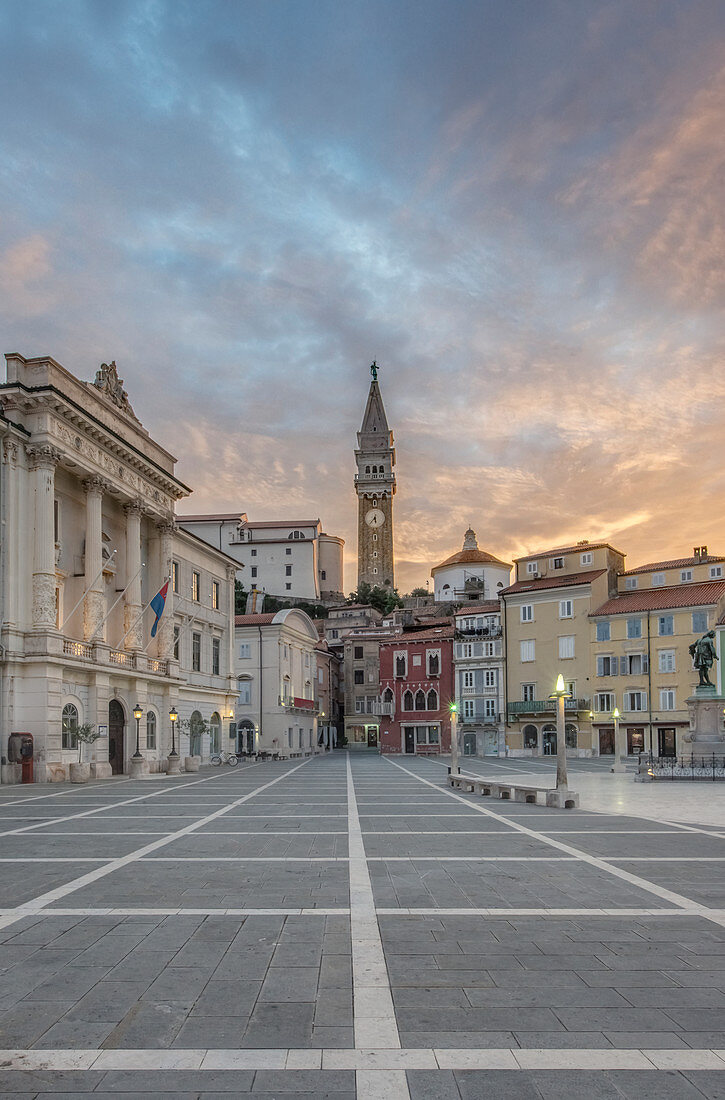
(516, 792)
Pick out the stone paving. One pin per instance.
(350, 927)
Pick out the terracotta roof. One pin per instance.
(427, 635)
(582, 547)
(470, 557)
(479, 608)
(565, 580)
(254, 620)
(704, 594)
(676, 563)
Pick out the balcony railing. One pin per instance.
(546, 706)
(480, 632)
(298, 705)
(77, 649)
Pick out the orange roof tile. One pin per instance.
(561, 581)
(583, 547)
(676, 563)
(657, 599)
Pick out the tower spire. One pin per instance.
(375, 487)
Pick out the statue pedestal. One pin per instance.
(707, 728)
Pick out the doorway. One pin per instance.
(469, 744)
(606, 741)
(372, 737)
(549, 740)
(635, 740)
(245, 737)
(667, 741)
(196, 728)
(409, 732)
(116, 740)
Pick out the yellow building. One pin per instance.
(641, 662)
(546, 632)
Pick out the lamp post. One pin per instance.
(560, 694)
(454, 768)
(618, 766)
(137, 760)
(174, 763)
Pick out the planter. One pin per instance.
(191, 763)
(80, 773)
(11, 773)
(101, 770)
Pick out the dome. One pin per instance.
(470, 554)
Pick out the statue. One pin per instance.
(374, 370)
(703, 654)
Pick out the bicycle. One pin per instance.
(218, 758)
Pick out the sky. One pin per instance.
(516, 207)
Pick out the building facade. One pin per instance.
(276, 668)
(547, 632)
(470, 574)
(416, 692)
(328, 699)
(88, 504)
(479, 679)
(288, 559)
(375, 488)
(361, 671)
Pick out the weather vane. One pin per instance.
(374, 370)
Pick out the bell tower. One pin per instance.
(375, 488)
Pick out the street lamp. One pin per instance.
(454, 768)
(618, 766)
(560, 694)
(173, 718)
(137, 712)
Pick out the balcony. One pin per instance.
(297, 705)
(480, 632)
(101, 654)
(546, 706)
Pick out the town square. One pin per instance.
(362, 561)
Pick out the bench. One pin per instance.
(516, 792)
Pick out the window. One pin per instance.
(254, 552)
(287, 550)
(359, 676)
(566, 647)
(566, 609)
(630, 582)
(604, 631)
(557, 563)
(215, 733)
(296, 535)
(532, 567)
(528, 650)
(288, 587)
(426, 735)
(468, 680)
(527, 612)
(245, 692)
(634, 664)
(667, 660)
(56, 521)
(604, 701)
(667, 699)
(685, 575)
(420, 700)
(528, 692)
(489, 678)
(489, 649)
(407, 700)
(196, 652)
(69, 726)
(530, 737)
(288, 570)
(323, 575)
(195, 586)
(467, 649)
(607, 666)
(244, 650)
(150, 730)
(634, 628)
(489, 708)
(215, 650)
(215, 595)
(432, 700)
(666, 624)
(253, 571)
(699, 622)
(434, 663)
(468, 708)
(635, 700)
(176, 642)
(175, 576)
(658, 579)
(358, 652)
(334, 633)
(715, 572)
(375, 570)
(400, 665)
(586, 559)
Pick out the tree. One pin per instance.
(419, 592)
(382, 599)
(85, 735)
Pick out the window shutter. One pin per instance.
(644, 700)
(645, 663)
(623, 665)
(614, 665)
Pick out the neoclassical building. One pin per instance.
(87, 506)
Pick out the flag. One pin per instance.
(158, 604)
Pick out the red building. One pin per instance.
(416, 691)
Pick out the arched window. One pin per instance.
(215, 733)
(70, 725)
(388, 696)
(434, 664)
(407, 700)
(432, 700)
(531, 736)
(150, 730)
(571, 735)
(196, 728)
(296, 535)
(367, 469)
(420, 700)
(400, 664)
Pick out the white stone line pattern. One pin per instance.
(243, 859)
(146, 911)
(43, 900)
(373, 1012)
(399, 911)
(505, 914)
(671, 896)
(368, 1060)
(8, 800)
(111, 806)
(472, 859)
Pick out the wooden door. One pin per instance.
(116, 739)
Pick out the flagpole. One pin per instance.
(181, 632)
(143, 612)
(87, 590)
(104, 620)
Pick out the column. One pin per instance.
(132, 624)
(165, 633)
(12, 535)
(94, 605)
(231, 582)
(43, 460)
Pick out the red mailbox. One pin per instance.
(20, 751)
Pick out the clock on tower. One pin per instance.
(375, 488)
